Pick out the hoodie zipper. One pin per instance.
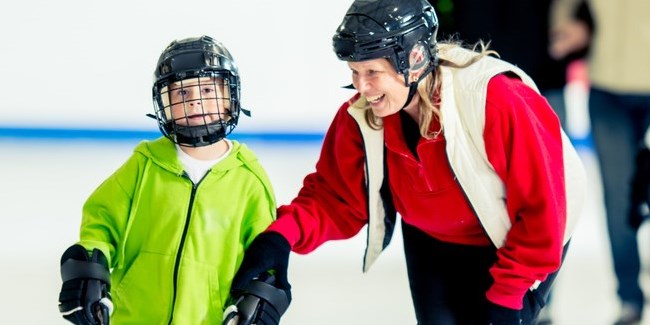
(179, 253)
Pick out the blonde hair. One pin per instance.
(429, 89)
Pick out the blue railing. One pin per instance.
(44, 133)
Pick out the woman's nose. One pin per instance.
(361, 85)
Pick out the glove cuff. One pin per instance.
(76, 264)
(275, 239)
(500, 315)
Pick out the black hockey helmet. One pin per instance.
(391, 29)
(201, 62)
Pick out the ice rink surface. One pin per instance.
(44, 184)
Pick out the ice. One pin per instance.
(45, 182)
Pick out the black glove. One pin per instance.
(85, 297)
(262, 303)
(499, 315)
(268, 251)
(639, 211)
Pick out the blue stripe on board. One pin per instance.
(135, 135)
(117, 135)
(583, 143)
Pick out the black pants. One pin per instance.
(448, 281)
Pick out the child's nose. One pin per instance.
(193, 102)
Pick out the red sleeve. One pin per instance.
(332, 202)
(523, 144)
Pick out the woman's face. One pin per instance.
(198, 101)
(382, 86)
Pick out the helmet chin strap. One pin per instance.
(412, 88)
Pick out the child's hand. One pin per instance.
(262, 303)
(85, 297)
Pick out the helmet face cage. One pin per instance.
(374, 29)
(196, 92)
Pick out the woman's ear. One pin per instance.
(418, 61)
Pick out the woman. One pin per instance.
(462, 146)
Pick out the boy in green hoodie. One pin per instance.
(162, 237)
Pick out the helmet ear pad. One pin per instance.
(418, 61)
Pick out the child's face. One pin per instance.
(197, 101)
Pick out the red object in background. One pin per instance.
(577, 72)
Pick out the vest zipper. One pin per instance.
(471, 206)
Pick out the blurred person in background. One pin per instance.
(619, 110)
(639, 197)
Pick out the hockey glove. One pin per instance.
(639, 211)
(499, 315)
(261, 304)
(85, 297)
(268, 251)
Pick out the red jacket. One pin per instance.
(521, 133)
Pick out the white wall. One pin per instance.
(89, 63)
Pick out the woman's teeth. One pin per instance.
(374, 99)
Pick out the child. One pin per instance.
(162, 238)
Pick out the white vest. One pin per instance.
(466, 88)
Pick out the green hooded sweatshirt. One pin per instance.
(174, 246)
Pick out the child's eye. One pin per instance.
(181, 92)
(208, 90)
